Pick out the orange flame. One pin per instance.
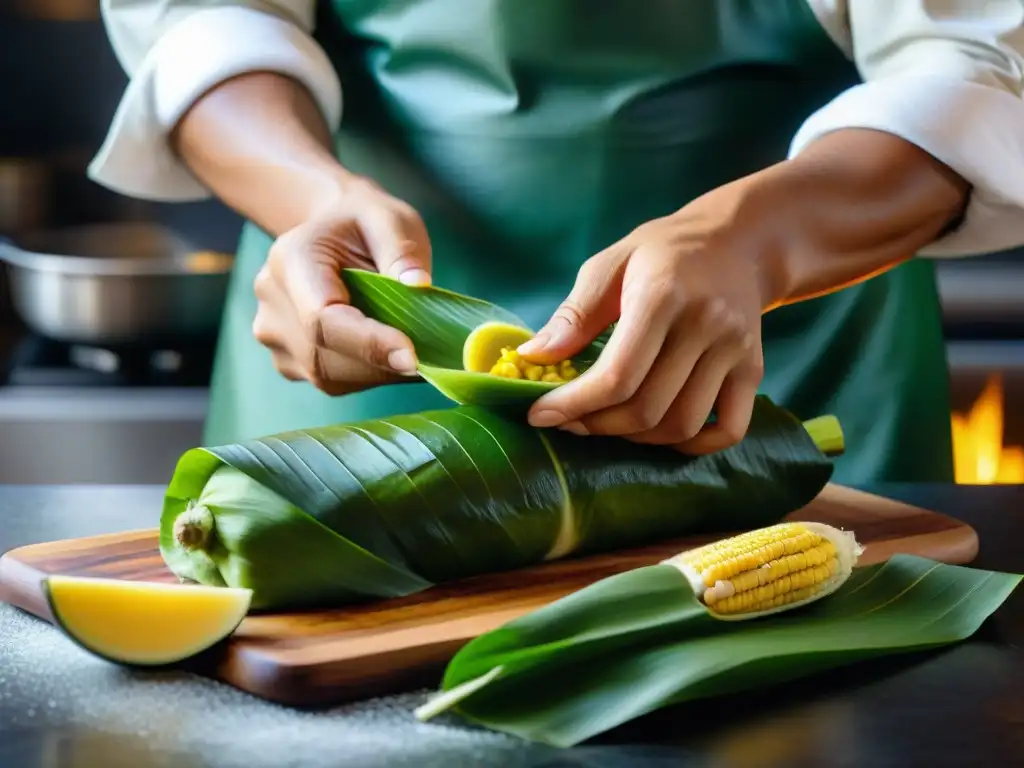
(979, 456)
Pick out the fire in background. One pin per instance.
(980, 457)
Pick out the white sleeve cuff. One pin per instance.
(976, 130)
(204, 49)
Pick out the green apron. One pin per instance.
(530, 134)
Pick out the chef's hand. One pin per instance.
(304, 317)
(688, 299)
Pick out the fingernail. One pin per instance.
(576, 428)
(536, 344)
(415, 277)
(403, 361)
(546, 419)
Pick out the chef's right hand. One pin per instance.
(304, 317)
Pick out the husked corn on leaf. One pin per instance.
(639, 641)
(769, 570)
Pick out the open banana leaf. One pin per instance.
(640, 641)
(438, 322)
(388, 507)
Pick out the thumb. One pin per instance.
(591, 306)
(398, 243)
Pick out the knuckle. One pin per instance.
(647, 230)
(616, 385)
(589, 271)
(689, 427)
(757, 371)
(732, 432)
(572, 312)
(261, 284)
(374, 351)
(283, 365)
(277, 250)
(711, 312)
(278, 254)
(364, 185)
(644, 416)
(408, 215)
(656, 280)
(731, 323)
(730, 428)
(753, 369)
(261, 330)
(745, 339)
(291, 373)
(313, 329)
(663, 290)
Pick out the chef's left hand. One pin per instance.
(688, 292)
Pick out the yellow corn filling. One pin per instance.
(511, 365)
(768, 568)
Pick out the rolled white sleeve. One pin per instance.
(174, 51)
(948, 76)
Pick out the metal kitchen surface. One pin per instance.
(61, 435)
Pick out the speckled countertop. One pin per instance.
(61, 708)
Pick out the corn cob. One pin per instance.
(770, 569)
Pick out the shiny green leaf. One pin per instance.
(639, 641)
(438, 322)
(387, 507)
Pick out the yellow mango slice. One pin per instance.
(144, 624)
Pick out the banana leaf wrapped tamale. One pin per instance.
(388, 507)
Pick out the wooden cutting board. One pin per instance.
(328, 657)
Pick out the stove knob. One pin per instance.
(166, 360)
(102, 360)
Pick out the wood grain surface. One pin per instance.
(328, 657)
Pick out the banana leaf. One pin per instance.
(438, 322)
(388, 507)
(639, 641)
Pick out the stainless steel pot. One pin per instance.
(114, 284)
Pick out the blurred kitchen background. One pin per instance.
(109, 306)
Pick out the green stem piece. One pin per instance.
(827, 434)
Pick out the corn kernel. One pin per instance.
(506, 370)
(511, 365)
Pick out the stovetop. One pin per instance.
(36, 361)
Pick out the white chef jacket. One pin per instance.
(946, 75)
